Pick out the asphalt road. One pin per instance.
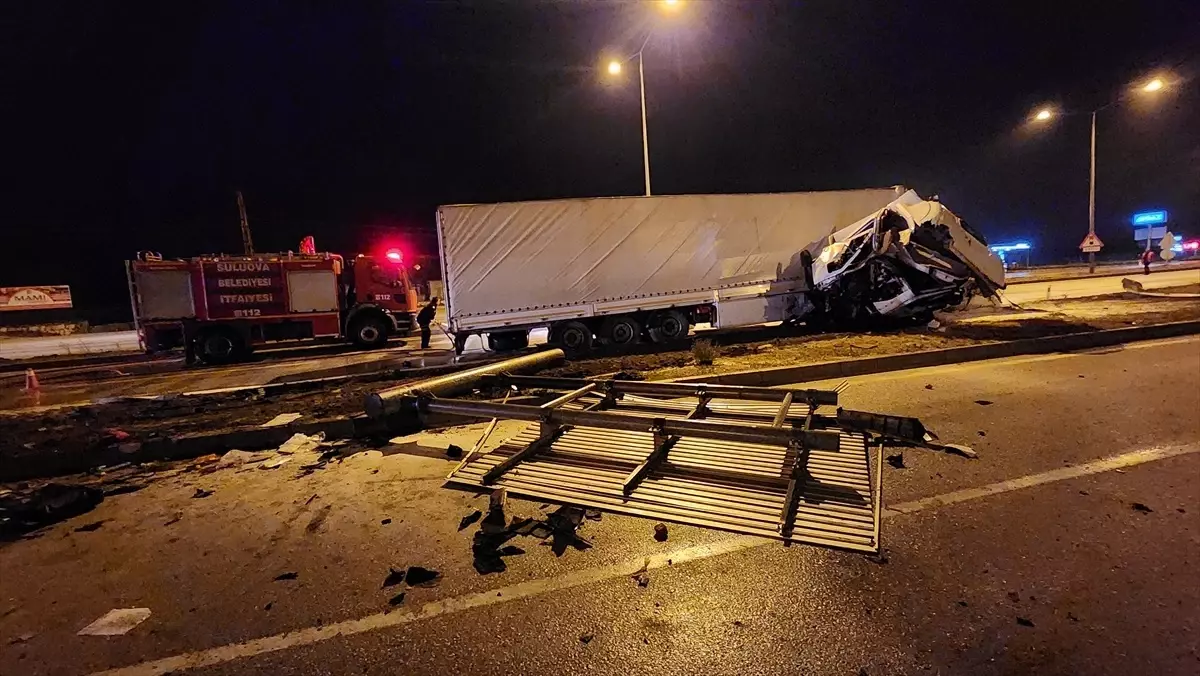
(1031, 559)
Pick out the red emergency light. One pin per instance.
(394, 255)
(1192, 245)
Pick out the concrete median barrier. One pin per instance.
(784, 375)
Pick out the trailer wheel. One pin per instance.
(574, 337)
(369, 331)
(669, 326)
(220, 346)
(621, 331)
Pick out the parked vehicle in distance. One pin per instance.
(621, 270)
(220, 307)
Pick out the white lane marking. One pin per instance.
(310, 635)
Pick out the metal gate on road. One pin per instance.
(749, 460)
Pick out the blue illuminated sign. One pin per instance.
(1016, 246)
(1150, 218)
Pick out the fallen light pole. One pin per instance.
(386, 402)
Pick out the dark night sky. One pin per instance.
(130, 125)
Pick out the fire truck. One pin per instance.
(219, 308)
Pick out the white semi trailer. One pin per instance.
(625, 269)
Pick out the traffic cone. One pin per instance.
(31, 381)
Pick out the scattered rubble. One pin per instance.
(394, 577)
(469, 519)
(1141, 507)
(660, 532)
(983, 402)
(88, 528)
(422, 577)
(201, 493)
(318, 519)
(896, 460)
(291, 575)
(1024, 622)
(454, 451)
(396, 600)
(23, 512)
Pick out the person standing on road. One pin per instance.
(424, 319)
(1147, 256)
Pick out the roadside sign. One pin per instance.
(1091, 243)
(1167, 246)
(1149, 217)
(35, 298)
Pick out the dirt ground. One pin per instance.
(98, 425)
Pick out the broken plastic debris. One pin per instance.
(116, 622)
(201, 493)
(299, 443)
(660, 532)
(290, 575)
(454, 451)
(236, 458)
(396, 600)
(394, 577)
(896, 460)
(275, 462)
(422, 577)
(1141, 507)
(283, 419)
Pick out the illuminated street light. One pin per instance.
(1045, 114)
(615, 67)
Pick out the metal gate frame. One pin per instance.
(751, 460)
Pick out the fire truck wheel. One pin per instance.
(369, 331)
(219, 346)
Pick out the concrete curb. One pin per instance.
(954, 355)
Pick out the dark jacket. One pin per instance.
(425, 316)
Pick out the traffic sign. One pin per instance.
(1091, 243)
(1167, 246)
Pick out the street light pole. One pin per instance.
(645, 138)
(1092, 198)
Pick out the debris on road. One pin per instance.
(896, 460)
(298, 443)
(276, 462)
(983, 402)
(318, 519)
(283, 419)
(454, 451)
(1141, 507)
(394, 577)
(175, 518)
(1014, 597)
(586, 638)
(385, 521)
(592, 514)
(928, 386)
(641, 575)
(422, 577)
(201, 493)
(88, 528)
(1024, 622)
(291, 575)
(22, 512)
(236, 458)
(396, 600)
(469, 519)
(116, 622)
(660, 532)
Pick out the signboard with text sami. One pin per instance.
(244, 288)
(35, 298)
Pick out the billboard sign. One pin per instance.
(35, 298)
(1150, 218)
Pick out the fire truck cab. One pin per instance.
(220, 308)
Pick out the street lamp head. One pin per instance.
(671, 5)
(614, 67)
(1043, 115)
(1153, 85)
